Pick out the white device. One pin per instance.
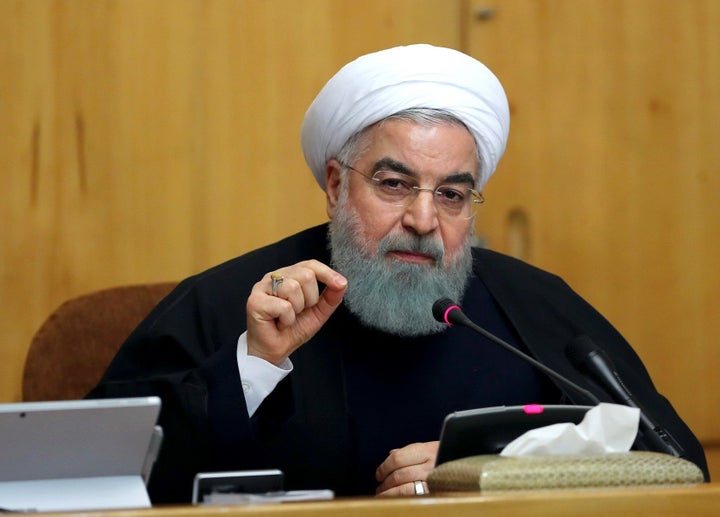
(77, 455)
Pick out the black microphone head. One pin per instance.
(440, 307)
(580, 348)
(445, 311)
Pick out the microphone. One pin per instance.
(446, 311)
(586, 356)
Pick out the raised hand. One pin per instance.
(278, 323)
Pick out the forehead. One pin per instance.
(426, 148)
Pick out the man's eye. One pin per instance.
(452, 195)
(394, 184)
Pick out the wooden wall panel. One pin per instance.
(144, 141)
(611, 174)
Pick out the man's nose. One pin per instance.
(421, 215)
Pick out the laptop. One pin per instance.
(77, 455)
(488, 430)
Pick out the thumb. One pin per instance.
(330, 299)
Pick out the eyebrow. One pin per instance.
(390, 164)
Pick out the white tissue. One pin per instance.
(605, 428)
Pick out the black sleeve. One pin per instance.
(549, 315)
(636, 378)
(185, 352)
(180, 354)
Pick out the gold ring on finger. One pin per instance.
(276, 279)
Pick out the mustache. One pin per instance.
(412, 243)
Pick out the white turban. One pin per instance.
(380, 84)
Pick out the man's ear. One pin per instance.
(332, 186)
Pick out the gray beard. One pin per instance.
(390, 295)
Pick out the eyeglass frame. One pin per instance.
(476, 198)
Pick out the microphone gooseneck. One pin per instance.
(588, 357)
(447, 311)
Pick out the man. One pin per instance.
(336, 371)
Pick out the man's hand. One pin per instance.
(398, 473)
(277, 325)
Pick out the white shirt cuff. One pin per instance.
(258, 376)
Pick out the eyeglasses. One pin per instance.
(398, 189)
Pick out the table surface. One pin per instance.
(701, 499)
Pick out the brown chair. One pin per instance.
(74, 346)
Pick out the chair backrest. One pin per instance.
(74, 346)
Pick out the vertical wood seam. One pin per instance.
(35, 163)
(80, 150)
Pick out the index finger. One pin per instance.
(325, 274)
(391, 464)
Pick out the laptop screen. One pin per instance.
(79, 438)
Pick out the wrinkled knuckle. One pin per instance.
(396, 478)
(289, 285)
(253, 298)
(305, 275)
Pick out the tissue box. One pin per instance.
(500, 473)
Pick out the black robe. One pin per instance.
(354, 393)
